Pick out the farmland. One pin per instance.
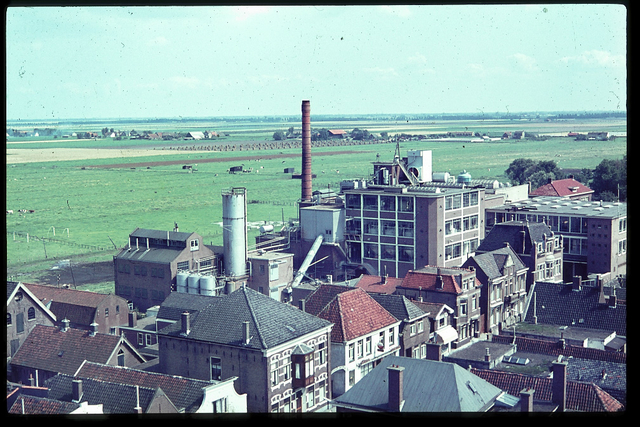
(86, 196)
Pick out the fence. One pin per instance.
(52, 240)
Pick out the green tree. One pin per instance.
(610, 176)
(278, 135)
(384, 135)
(516, 171)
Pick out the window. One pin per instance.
(216, 368)
(452, 202)
(391, 337)
(405, 253)
(474, 303)
(405, 204)
(470, 199)
(183, 265)
(622, 246)
(575, 224)
(452, 226)
(564, 223)
(388, 252)
(366, 368)
(148, 339)
(405, 229)
(452, 251)
(359, 349)
(354, 226)
(31, 313)
(412, 329)
(121, 357)
(106, 312)
(140, 339)
(220, 406)
(388, 203)
(421, 326)
(388, 228)
(622, 225)
(370, 202)
(8, 319)
(353, 201)
(463, 307)
(370, 226)
(274, 373)
(370, 250)
(195, 245)
(322, 353)
(351, 352)
(367, 345)
(352, 377)
(274, 272)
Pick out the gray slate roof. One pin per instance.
(399, 306)
(559, 304)
(157, 255)
(429, 386)
(271, 322)
(614, 382)
(177, 302)
(492, 263)
(510, 232)
(115, 398)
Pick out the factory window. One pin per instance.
(452, 226)
(405, 253)
(354, 226)
(452, 251)
(195, 245)
(564, 223)
(353, 201)
(388, 203)
(274, 272)
(405, 204)
(622, 225)
(405, 229)
(452, 202)
(554, 223)
(183, 265)
(470, 199)
(216, 368)
(354, 251)
(370, 202)
(388, 228)
(576, 222)
(388, 252)
(370, 226)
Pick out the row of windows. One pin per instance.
(310, 397)
(460, 224)
(460, 249)
(140, 270)
(384, 203)
(457, 201)
(387, 252)
(281, 369)
(364, 347)
(548, 270)
(382, 227)
(143, 293)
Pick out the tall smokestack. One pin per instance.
(306, 151)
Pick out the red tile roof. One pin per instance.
(337, 131)
(355, 313)
(50, 349)
(31, 405)
(374, 284)
(427, 281)
(51, 293)
(561, 187)
(581, 396)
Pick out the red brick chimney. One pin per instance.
(526, 400)
(395, 388)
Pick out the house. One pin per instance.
(506, 135)
(176, 303)
(599, 136)
(414, 326)
(24, 312)
(49, 350)
(503, 276)
(568, 187)
(83, 308)
(142, 334)
(458, 288)
(442, 331)
(194, 135)
(279, 354)
(555, 393)
(401, 384)
(378, 284)
(272, 272)
(188, 395)
(518, 134)
(537, 246)
(577, 305)
(147, 269)
(337, 133)
(29, 400)
(115, 398)
(594, 234)
(364, 332)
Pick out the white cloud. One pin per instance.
(596, 57)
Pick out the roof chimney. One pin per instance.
(439, 283)
(306, 151)
(395, 388)
(138, 408)
(559, 387)
(301, 304)
(245, 333)
(133, 319)
(526, 400)
(76, 390)
(94, 329)
(577, 283)
(185, 326)
(65, 325)
(487, 355)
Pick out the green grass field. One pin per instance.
(91, 207)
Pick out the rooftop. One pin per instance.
(565, 206)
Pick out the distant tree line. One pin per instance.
(608, 180)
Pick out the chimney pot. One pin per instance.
(395, 388)
(65, 325)
(133, 319)
(94, 329)
(526, 400)
(185, 325)
(559, 386)
(76, 390)
(245, 333)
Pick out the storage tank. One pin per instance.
(464, 178)
(441, 177)
(267, 228)
(234, 231)
(193, 283)
(207, 284)
(181, 281)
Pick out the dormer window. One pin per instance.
(195, 245)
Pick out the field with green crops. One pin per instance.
(83, 207)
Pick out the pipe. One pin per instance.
(305, 264)
(306, 151)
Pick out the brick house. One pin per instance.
(24, 312)
(49, 350)
(145, 270)
(568, 187)
(458, 288)
(503, 296)
(279, 353)
(442, 333)
(83, 308)
(364, 332)
(414, 326)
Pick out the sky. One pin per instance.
(215, 61)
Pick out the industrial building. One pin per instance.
(594, 233)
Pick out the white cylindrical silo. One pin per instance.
(234, 231)
(181, 281)
(193, 283)
(207, 284)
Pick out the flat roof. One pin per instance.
(554, 205)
